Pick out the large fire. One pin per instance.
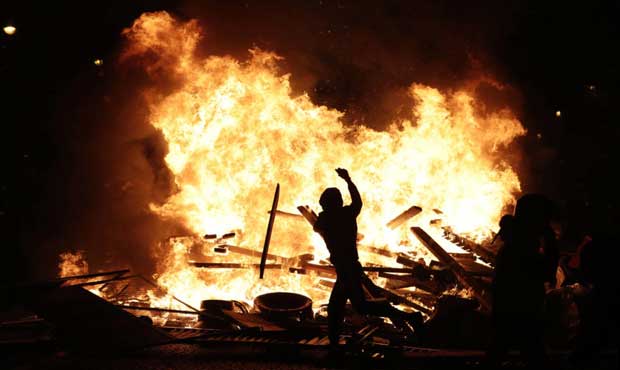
(234, 129)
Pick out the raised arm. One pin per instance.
(356, 198)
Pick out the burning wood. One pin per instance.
(272, 217)
(217, 239)
(251, 252)
(332, 270)
(157, 309)
(485, 254)
(224, 265)
(478, 290)
(380, 251)
(410, 280)
(119, 273)
(220, 250)
(308, 214)
(404, 216)
(288, 214)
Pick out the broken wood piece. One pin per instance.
(474, 268)
(220, 250)
(209, 236)
(288, 214)
(272, 218)
(485, 254)
(308, 214)
(424, 297)
(156, 309)
(465, 279)
(106, 281)
(404, 216)
(387, 269)
(426, 285)
(380, 251)
(297, 270)
(326, 283)
(228, 235)
(463, 256)
(376, 291)
(406, 261)
(332, 270)
(251, 252)
(226, 265)
(97, 274)
(328, 269)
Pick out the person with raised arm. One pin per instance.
(338, 226)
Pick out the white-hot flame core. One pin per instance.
(234, 130)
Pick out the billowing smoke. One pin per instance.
(357, 57)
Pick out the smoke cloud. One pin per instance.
(357, 57)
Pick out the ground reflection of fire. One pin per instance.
(234, 129)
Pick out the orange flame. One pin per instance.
(234, 129)
(72, 264)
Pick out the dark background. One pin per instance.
(82, 164)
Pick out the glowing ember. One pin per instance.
(9, 30)
(72, 264)
(558, 113)
(234, 129)
(98, 62)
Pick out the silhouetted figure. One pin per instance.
(527, 260)
(598, 307)
(338, 226)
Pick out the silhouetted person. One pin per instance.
(598, 307)
(527, 260)
(338, 226)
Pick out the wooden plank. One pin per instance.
(226, 265)
(465, 279)
(106, 281)
(288, 214)
(426, 285)
(380, 251)
(156, 309)
(252, 253)
(308, 214)
(331, 269)
(404, 216)
(477, 269)
(272, 218)
(485, 254)
(463, 256)
(98, 274)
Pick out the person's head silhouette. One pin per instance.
(534, 211)
(331, 199)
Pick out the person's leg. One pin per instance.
(499, 342)
(531, 341)
(335, 311)
(377, 307)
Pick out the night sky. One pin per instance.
(66, 119)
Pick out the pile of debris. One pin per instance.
(112, 319)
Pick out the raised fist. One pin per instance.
(343, 173)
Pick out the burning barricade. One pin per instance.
(233, 129)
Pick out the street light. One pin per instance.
(9, 30)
